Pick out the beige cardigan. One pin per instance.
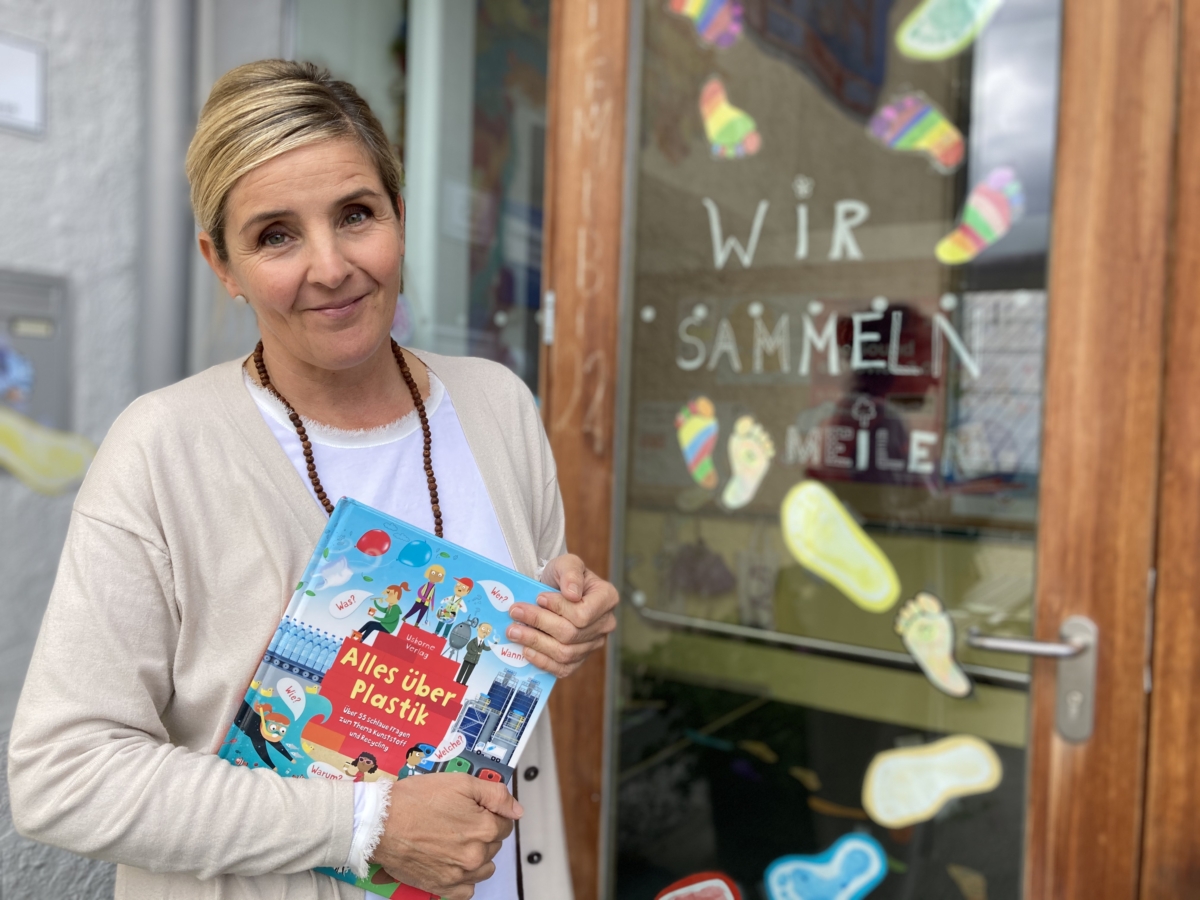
(187, 535)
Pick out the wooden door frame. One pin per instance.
(1171, 841)
(1108, 282)
(585, 153)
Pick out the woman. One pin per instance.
(205, 501)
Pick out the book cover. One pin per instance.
(391, 662)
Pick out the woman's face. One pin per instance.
(315, 246)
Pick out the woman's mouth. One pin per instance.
(340, 309)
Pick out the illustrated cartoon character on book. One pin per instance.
(412, 763)
(264, 727)
(475, 650)
(388, 612)
(459, 635)
(451, 606)
(366, 764)
(436, 575)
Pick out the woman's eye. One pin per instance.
(356, 217)
(273, 239)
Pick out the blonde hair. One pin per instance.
(264, 109)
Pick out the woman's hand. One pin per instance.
(565, 628)
(443, 830)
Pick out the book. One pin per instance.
(390, 662)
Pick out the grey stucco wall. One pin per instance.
(69, 205)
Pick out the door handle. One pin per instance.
(1076, 681)
(1024, 646)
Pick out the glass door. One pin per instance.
(836, 340)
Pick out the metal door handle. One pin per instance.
(1076, 679)
(1026, 646)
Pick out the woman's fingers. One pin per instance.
(563, 628)
(550, 664)
(565, 652)
(442, 831)
(484, 872)
(598, 597)
(566, 574)
(495, 798)
(556, 626)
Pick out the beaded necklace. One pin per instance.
(306, 445)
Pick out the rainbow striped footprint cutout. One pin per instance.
(913, 124)
(731, 132)
(991, 208)
(718, 22)
(696, 428)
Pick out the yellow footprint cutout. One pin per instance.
(928, 634)
(972, 884)
(45, 459)
(761, 750)
(836, 810)
(910, 785)
(825, 539)
(750, 453)
(806, 777)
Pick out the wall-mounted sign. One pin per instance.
(22, 85)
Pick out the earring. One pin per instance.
(240, 298)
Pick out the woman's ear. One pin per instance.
(208, 250)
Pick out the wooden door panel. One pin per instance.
(1098, 497)
(1103, 383)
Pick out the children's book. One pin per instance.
(390, 662)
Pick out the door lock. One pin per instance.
(1076, 681)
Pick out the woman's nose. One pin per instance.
(327, 265)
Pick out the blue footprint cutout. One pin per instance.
(849, 870)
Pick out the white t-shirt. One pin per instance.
(384, 468)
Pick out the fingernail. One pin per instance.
(513, 632)
(518, 809)
(518, 613)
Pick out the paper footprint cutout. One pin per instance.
(909, 785)
(912, 123)
(836, 810)
(939, 29)
(696, 428)
(928, 634)
(701, 886)
(718, 22)
(731, 132)
(760, 750)
(849, 870)
(991, 208)
(806, 777)
(825, 539)
(972, 884)
(750, 453)
(45, 459)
